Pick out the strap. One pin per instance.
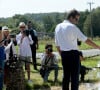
(47, 60)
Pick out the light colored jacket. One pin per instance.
(52, 60)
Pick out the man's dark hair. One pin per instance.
(73, 14)
(29, 23)
(48, 45)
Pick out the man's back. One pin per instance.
(66, 35)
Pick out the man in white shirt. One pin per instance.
(66, 35)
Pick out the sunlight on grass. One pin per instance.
(38, 83)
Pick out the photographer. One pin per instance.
(49, 62)
(24, 41)
(9, 43)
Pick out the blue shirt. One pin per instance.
(2, 53)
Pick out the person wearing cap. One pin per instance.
(35, 45)
(66, 35)
(24, 41)
(10, 50)
(2, 59)
(5, 31)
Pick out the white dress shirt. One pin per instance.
(7, 49)
(24, 46)
(66, 35)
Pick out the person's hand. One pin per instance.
(22, 37)
(8, 37)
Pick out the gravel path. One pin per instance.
(86, 53)
(83, 86)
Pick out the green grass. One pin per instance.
(83, 46)
(38, 81)
(91, 62)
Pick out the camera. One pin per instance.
(12, 35)
(49, 49)
(26, 32)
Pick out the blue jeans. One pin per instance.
(1, 73)
(55, 68)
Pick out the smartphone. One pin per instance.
(12, 35)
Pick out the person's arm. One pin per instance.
(55, 59)
(58, 49)
(30, 39)
(18, 39)
(15, 42)
(37, 45)
(91, 43)
(36, 37)
(43, 60)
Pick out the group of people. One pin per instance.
(66, 36)
(27, 42)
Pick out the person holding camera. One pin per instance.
(2, 59)
(9, 42)
(10, 50)
(24, 41)
(49, 62)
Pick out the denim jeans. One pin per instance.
(1, 73)
(55, 68)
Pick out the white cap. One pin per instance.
(22, 24)
(5, 28)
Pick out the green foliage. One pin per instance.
(95, 14)
(46, 22)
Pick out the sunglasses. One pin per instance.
(77, 19)
(22, 27)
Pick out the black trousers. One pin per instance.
(71, 69)
(33, 48)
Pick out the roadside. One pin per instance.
(86, 53)
(82, 86)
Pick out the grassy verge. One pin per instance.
(38, 84)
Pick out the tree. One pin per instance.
(48, 23)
